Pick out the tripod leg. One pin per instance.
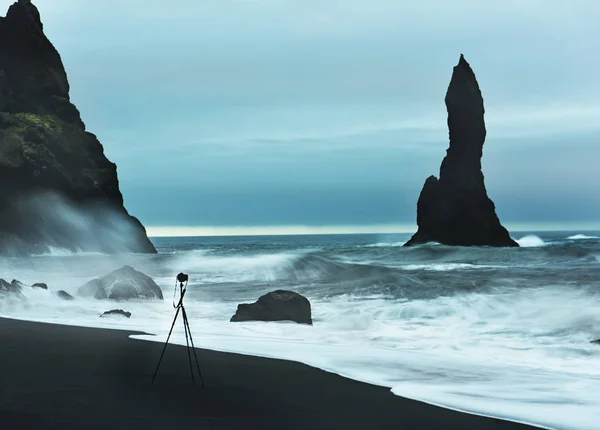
(166, 343)
(185, 328)
(186, 322)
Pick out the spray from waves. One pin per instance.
(530, 241)
(449, 267)
(242, 268)
(385, 245)
(54, 251)
(197, 252)
(582, 237)
(49, 219)
(291, 266)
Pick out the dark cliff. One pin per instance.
(455, 209)
(57, 188)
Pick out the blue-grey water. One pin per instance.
(495, 331)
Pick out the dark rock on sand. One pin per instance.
(122, 284)
(278, 305)
(57, 188)
(119, 312)
(12, 289)
(64, 295)
(455, 209)
(41, 285)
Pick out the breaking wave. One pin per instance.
(530, 241)
(582, 237)
(385, 244)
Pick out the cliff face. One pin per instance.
(455, 209)
(57, 188)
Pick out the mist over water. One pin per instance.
(49, 222)
(501, 332)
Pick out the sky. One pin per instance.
(312, 116)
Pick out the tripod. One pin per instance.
(182, 279)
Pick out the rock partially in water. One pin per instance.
(17, 284)
(41, 285)
(597, 342)
(455, 209)
(64, 295)
(122, 284)
(280, 305)
(117, 312)
(12, 289)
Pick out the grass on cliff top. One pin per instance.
(46, 121)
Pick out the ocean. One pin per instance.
(492, 331)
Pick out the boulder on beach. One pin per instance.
(122, 284)
(41, 285)
(277, 305)
(455, 209)
(64, 295)
(58, 188)
(117, 312)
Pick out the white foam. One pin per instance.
(530, 241)
(581, 237)
(210, 268)
(63, 252)
(385, 245)
(446, 266)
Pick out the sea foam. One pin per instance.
(530, 241)
(581, 237)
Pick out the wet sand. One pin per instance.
(63, 377)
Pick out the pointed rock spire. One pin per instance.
(455, 209)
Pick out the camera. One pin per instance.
(182, 277)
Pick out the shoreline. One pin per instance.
(67, 377)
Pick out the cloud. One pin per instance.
(281, 96)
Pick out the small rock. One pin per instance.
(597, 342)
(64, 295)
(41, 285)
(120, 312)
(277, 305)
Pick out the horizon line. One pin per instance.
(300, 230)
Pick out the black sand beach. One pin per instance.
(62, 377)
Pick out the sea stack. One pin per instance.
(57, 188)
(455, 209)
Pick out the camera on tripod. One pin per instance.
(182, 277)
